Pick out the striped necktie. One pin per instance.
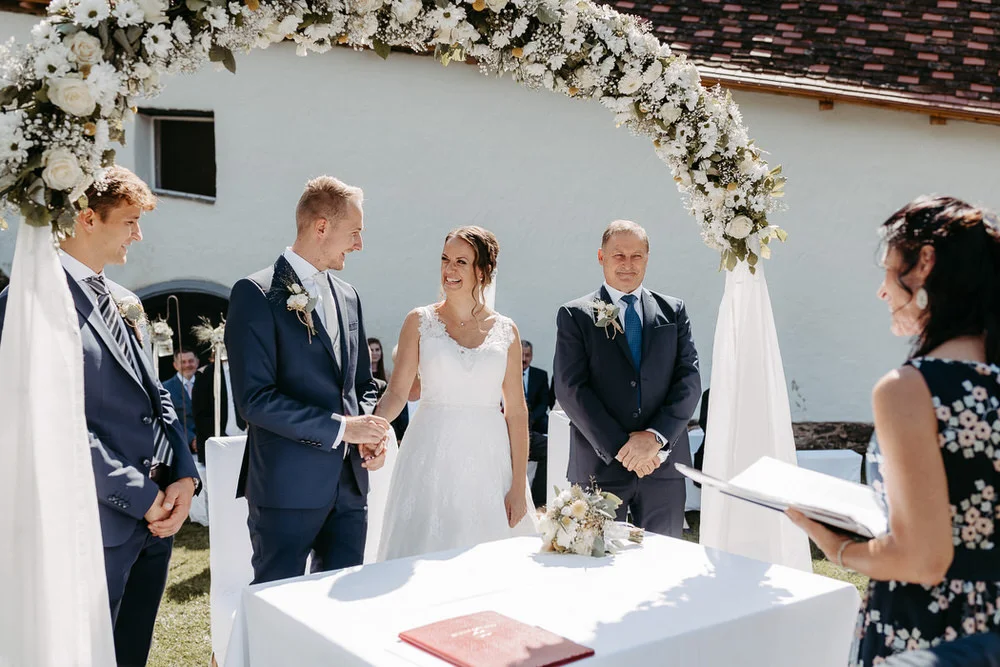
(162, 451)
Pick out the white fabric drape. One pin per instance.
(55, 608)
(748, 417)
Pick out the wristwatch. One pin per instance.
(660, 440)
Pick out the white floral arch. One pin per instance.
(65, 97)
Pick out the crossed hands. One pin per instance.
(639, 454)
(369, 433)
(170, 508)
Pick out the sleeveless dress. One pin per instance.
(897, 616)
(451, 477)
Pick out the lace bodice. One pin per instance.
(454, 375)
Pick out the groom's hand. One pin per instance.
(373, 455)
(177, 499)
(639, 453)
(365, 429)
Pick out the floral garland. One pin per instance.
(65, 97)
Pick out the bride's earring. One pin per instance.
(921, 299)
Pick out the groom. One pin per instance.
(300, 377)
(629, 390)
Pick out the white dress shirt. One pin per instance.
(314, 280)
(80, 272)
(186, 383)
(616, 299)
(524, 379)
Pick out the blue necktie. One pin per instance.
(633, 329)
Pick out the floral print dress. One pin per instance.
(897, 616)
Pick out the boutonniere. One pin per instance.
(130, 308)
(302, 305)
(606, 315)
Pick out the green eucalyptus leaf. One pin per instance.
(229, 60)
(102, 32)
(546, 15)
(122, 39)
(8, 94)
(382, 49)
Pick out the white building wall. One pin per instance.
(438, 147)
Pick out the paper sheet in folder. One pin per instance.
(842, 505)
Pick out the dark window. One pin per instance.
(184, 153)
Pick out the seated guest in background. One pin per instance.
(536, 394)
(203, 399)
(180, 387)
(935, 577)
(378, 362)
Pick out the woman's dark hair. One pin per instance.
(380, 366)
(963, 287)
(486, 248)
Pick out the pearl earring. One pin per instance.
(921, 299)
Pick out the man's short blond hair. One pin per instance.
(625, 227)
(325, 197)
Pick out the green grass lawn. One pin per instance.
(181, 638)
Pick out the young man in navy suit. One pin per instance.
(143, 470)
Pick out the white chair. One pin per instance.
(558, 453)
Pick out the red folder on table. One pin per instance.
(489, 639)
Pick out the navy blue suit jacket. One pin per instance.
(120, 408)
(288, 389)
(180, 397)
(598, 386)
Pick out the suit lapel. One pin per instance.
(284, 275)
(345, 344)
(88, 309)
(620, 340)
(650, 314)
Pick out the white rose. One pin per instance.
(406, 10)
(85, 48)
(62, 169)
(72, 96)
(669, 113)
(496, 5)
(298, 302)
(153, 10)
(739, 227)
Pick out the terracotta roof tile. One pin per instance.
(936, 56)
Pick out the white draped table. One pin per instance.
(666, 602)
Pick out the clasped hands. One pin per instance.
(369, 433)
(639, 454)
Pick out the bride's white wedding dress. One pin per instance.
(454, 468)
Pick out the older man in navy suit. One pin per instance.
(143, 469)
(301, 377)
(628, 380)
(181, 387)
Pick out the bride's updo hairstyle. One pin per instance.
(486, 248)
(963, 288)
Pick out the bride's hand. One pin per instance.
(515, 505)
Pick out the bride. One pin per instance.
(460, 479)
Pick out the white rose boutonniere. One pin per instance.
(606, 315)
(130, 308)
(302, 304)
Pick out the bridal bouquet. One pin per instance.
(583, 522)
